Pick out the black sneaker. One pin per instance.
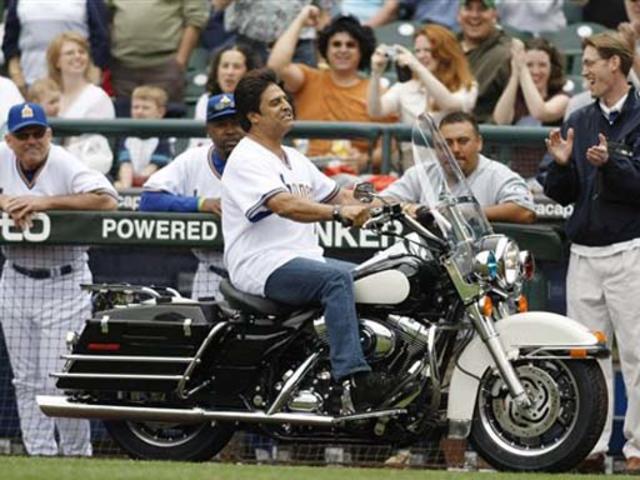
(369, 389)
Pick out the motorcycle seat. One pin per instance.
(254, 304)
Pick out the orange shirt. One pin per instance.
(321, 99)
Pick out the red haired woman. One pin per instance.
(441, 78)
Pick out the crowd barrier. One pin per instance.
(503, 143)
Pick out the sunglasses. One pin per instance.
(37, 134)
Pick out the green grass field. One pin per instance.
(24, 468)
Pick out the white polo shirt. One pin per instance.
(256, 240)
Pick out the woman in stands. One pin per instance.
(227, 67)
(441, 80)
(534, 94)
(70, 66)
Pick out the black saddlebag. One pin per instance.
(140, 347)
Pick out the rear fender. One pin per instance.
(521, 331)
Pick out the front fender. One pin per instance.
(522, 330)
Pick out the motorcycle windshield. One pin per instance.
(446, 192)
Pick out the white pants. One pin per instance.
(603, 293)
(36, 315)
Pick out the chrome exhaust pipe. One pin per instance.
(59, 406)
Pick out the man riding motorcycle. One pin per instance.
(271, 196)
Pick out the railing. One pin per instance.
(504, 137)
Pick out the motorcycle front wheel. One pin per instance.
(165, 441)
(560, 429)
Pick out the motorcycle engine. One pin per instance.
(377, 340)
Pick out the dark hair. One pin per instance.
(349, 24)
(461, 117)
(249, 91)
(556, 59)
(251, 61)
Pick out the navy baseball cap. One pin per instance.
(26, 115)
(220, 106)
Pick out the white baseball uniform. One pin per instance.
(193, 173)
(256, 241)
(36, 313)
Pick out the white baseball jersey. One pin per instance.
(37, 313)
(257, 241)
(62, 174)
(192, 173)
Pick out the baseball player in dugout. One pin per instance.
(271, 197)
(191, 183)
(40, 295)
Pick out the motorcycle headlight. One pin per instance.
(508, 257)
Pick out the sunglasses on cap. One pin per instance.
(37, 134)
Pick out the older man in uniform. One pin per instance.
(40, 295)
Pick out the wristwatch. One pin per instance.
(337, 215)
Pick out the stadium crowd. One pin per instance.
(502, 62)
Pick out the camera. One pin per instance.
(403, 74)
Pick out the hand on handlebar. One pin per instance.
(354, 215)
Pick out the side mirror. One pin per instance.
(364, 192)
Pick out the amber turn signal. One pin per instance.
(486, 305)
(600, 336)
(523, 304)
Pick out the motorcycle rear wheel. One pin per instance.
(570, 408)
(165, 441)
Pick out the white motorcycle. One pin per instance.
(441, 311)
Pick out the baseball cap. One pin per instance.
(486, 3)
(220, 106)
(25, 115)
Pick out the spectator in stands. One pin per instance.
(363, 10)
(631, 31)
(9, 96)
(533, 17)
(227, 67)
(441, 82)
(593, 163)
(488, 50)
(424, 11)
(534, 94)
(31, 24)
(259, 24)
(191, 183)
(70, 66)
(502, 193)
(609, 13)
(338, 93)
(138, 158)
(151, 43)
(214, 35)
(47, 93)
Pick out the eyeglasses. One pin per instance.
(37, 134)
(347, 44)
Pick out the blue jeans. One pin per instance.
(301, 282)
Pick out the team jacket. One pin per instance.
(607, 198)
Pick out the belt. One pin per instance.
(221, 272)
(43, 273)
